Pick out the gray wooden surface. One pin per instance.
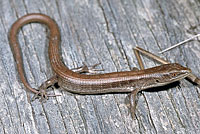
(102, 31)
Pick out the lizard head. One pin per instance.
(167, 73)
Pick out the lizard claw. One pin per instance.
(40, 94)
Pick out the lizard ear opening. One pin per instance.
(157, 80)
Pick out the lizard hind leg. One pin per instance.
(42, 89)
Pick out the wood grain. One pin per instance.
(102, 31)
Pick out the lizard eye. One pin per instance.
(173, 74)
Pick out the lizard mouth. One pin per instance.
(174, 79)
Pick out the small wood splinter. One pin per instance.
(180, 43)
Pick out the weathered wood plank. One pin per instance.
(92, 32)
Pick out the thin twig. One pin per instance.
(180, 43)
